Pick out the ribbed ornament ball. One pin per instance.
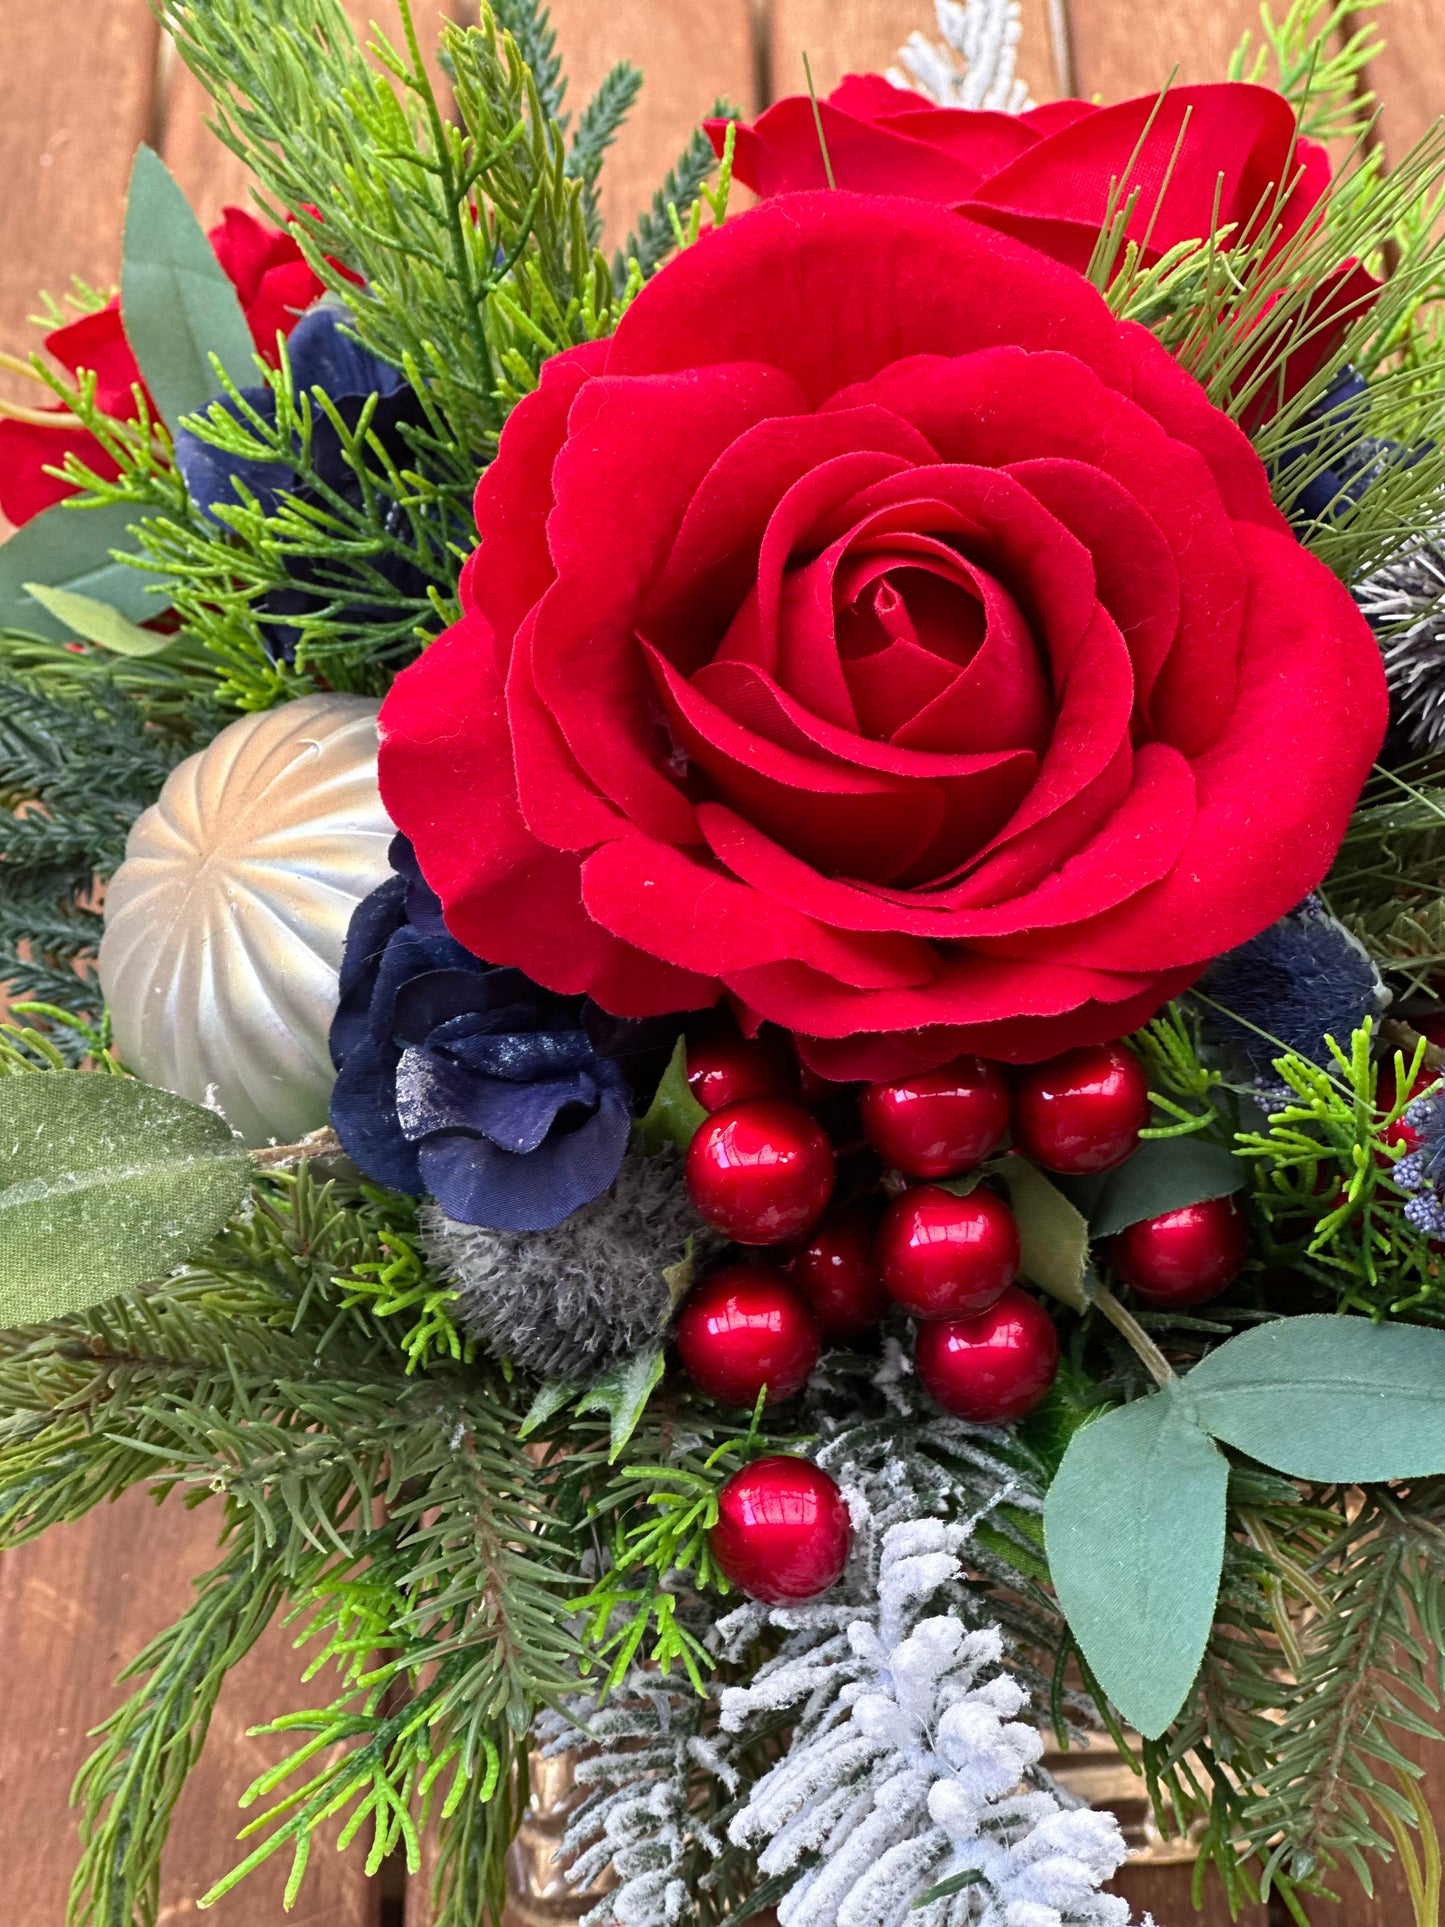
(225, 924)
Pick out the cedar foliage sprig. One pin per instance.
(472, 236)
(1323, 1187)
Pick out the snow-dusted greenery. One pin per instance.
(908, 1789)
(973, 66)
(855, 1753)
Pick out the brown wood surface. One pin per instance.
(81, 82)
(75, 1608)
(691, 55)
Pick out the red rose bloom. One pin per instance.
(1046, 176)
(879, 633)
(275, 285)
(1198, 158)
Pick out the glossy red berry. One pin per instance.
(947, 1257)
(762, 1172)
(994, 1368)
(940, 1122)
(782, 1530)
(724, 1067)
(1386, 1097)
(1184, 1257)
(1082, 1111)
(837, 1272)
(746, 1327)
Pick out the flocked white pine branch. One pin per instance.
(906, 1792)
(973, 66)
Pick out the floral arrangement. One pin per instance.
(728, 970)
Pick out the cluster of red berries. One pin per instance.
(763, 1170)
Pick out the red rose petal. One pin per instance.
(677, 905)
(1311, 687)
(506, 895)
(918, 281)
(513, 567)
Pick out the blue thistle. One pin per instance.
(1303, 979)
(1422, 1170)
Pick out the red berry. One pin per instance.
(782, 1530)
(762, 1172)
(940, 1122)
(1183, 1257)
(837, 1272)
(746, 1327)
(1386, 1097)
(994, 1368)
(947, 1257)
(1082, 1111)
(725, 1068)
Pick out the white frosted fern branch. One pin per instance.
(973, 65)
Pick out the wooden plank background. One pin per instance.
(80, 85)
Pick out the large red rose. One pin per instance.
(877, 632)
(1194, 159)
(275, 285)
(1199, 158)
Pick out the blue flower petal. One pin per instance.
(475, 1183)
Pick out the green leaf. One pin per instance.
(1134, 1529)
(1054, 1235)
(72, 549)
(178, 306)
(1163, 1175)
(105, 1184)
(623, 1394)
(554, 1394)
(1338, 1400)
(674, 1114)
(98, 622)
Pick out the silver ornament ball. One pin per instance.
(225, 925)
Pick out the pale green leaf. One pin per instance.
(674, 1114)
(105, 1184)
(1338, 1400)
(1053, 1234)
(623, 1393)
(1134, 1531)
(178, 306)
(98, 622)
(73, 550)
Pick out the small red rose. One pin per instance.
(878, 633)
(275, 286)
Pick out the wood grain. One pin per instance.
(75, 1608)
(1123, 49)
(76, 89)
(211, 174)
(690, 54)
(852, 36)
(1409, 76)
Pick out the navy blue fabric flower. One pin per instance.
(1301, 980)
(464, 1080)
(1340, 413)
(322, 355)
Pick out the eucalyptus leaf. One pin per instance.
(73, 550)
(674, 1115)
(1053, 1234)
(1165, 1174)
(105, 1184)
(1134, 1530)
(623, 1394)
(98, 622)
(177, 304)
(1335, 1399)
